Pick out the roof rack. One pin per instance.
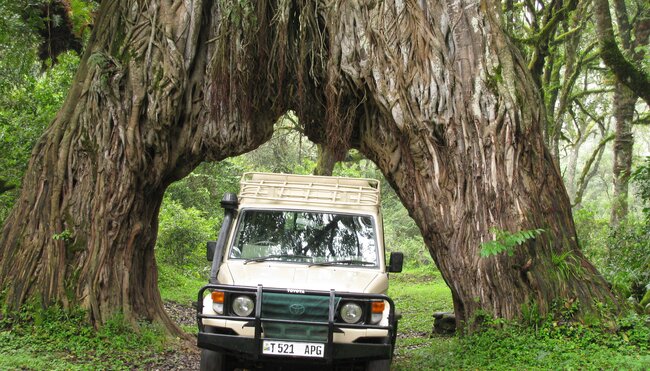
(309, 189)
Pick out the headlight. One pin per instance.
(351, 312)
(243, 306)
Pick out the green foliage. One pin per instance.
(641, 178)
(505, 241)
(551, 344)
(18, 46)
(530, 314)
(65, 236)
(593, 230)
(27, 106)
(400, 232)
(621, 254)
(82, 16)
(182, 235)
(566, 265)
(54, 338)
(288, 151)
(204, 187)
(63, 340)
(627, 264)
(29, 97)
(181, 285)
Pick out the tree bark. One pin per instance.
(454, 121)
(431, 91)
(136, 119)
(326, 161)
(624, 102)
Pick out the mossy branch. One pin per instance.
(587, 171)
(626, 72)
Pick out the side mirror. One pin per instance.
(211, 247)
(396, 262)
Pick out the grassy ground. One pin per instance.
(420, 292)
(57, 340)
(54, 339)
(178, 286)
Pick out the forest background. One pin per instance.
(598, 131)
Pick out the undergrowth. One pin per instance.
(517, 347)
(180, 285)
(503, 345)
(58, 339)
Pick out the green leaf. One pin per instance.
(506, 241)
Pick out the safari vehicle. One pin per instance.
(299, 277)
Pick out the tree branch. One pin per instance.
(627, 73)
(586, 174)
(642, 120)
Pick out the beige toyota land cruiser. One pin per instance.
(299, 277)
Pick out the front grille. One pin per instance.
(296, 307)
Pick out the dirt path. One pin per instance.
(186, 356)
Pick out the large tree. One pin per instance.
(135, 120)
(432, 91)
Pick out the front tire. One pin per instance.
(212, 361)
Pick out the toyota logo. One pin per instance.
(296, 309)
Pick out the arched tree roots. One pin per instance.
(431, 91)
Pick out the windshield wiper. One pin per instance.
(277, 256)
(346, 262)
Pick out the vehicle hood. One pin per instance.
(294, 276)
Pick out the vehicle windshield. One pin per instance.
(313, 238)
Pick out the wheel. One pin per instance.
(378, 365)
(212, 361)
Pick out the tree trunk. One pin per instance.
(454, 121)
(136, 119)
(624, 102)
(326, 161)
(571, 168)
(432, 91)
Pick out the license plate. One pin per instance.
(285, 348)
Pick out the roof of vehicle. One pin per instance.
(278, 189)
